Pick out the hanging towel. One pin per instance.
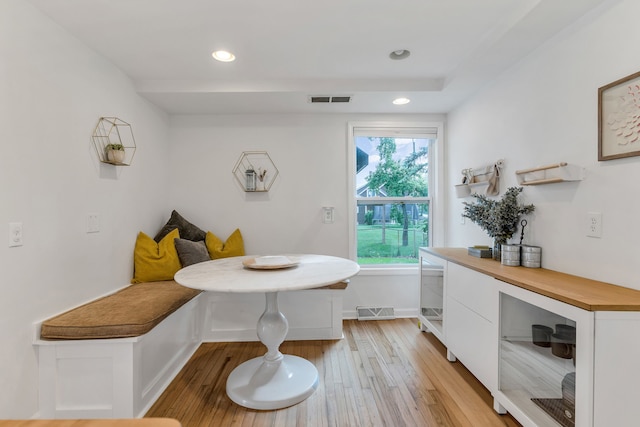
(494, 182)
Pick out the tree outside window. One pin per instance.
(392, 194)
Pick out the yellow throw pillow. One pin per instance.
(153, 261)
(234, 246)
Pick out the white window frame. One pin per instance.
(436, 189)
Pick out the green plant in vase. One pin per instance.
(499, 218)
(115, 153)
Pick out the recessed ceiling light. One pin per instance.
(399, 54)
(223, 56)
(401, 101)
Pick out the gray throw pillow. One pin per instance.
(191, 252)
(185, 228)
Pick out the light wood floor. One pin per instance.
(384, 373)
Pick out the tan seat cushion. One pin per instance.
(339, 285)
(130, 312)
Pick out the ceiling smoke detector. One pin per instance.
(399, 54)
(324, 99)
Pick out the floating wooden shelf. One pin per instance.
(476, 180)
(550, 174)
(478, 184)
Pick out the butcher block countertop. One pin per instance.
(587, 294)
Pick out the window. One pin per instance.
(393, 187)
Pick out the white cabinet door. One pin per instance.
(472, 339)
(528, 372)
(470, 326)
(432, 301)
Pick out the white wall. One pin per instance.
(310, 153)
(52, 92)
(544, 111)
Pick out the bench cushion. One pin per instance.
(338, 285)
(130, 312)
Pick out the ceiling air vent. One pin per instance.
(329, 99)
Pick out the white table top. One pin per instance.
(229, 274)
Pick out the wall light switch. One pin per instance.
(327, 214)
(15, 234)
(93, 223)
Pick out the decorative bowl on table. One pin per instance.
(271, 262)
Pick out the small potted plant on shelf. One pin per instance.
(115, 153)
(499, 218)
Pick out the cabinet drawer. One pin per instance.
(434, 261)
(475, 290)
(471, 339)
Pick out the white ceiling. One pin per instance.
(289, 49)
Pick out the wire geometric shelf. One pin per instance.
(114, 142)
(262, 165)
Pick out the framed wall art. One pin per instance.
(619, 118)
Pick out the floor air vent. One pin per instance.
(375, 313)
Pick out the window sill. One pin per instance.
(395, 270)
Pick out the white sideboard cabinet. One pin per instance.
(579, 369)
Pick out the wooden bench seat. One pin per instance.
(113, 357)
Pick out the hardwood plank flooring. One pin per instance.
(383, 373)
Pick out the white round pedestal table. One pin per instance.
(274, 380)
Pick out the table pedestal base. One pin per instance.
(273, 381)
(258, 384)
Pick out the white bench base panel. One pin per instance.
(116, 378)
(122, 378)
(314, 314)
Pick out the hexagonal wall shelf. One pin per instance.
(114, 142)
(255, 171)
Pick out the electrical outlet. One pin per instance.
(15, 234)
(594, 224)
